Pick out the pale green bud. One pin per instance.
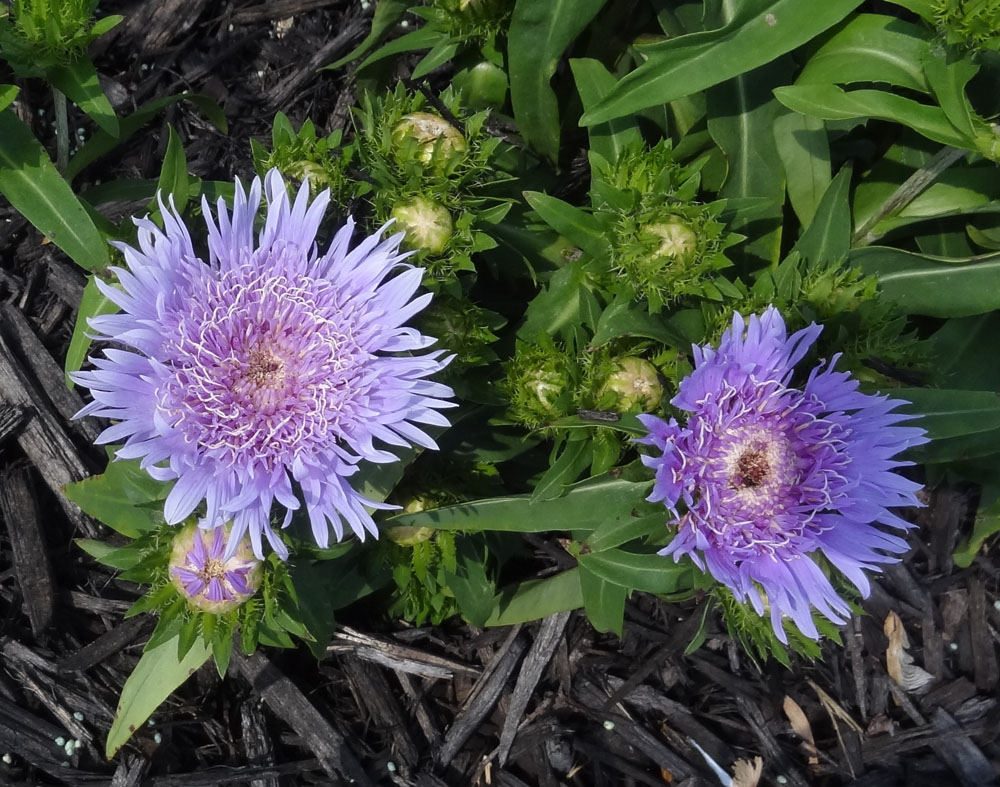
(426, 223)
(437, 141)
(635, 383)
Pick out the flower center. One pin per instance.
(264, 369)
(752, 468)
(214, 569)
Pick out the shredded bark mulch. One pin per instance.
(552, 703)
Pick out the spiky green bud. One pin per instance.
(430, 138)
(427, 224)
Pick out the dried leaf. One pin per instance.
(801, 727)
(746, 773)
(898, 661)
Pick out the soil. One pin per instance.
(551, 703)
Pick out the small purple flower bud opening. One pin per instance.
(205, 576)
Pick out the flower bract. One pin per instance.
(270, 363)
(764, 474)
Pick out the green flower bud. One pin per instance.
(677, 240)
(541, 382)
(405, 535)
(436, 140)
(201, 575)
(634, 385)
(427, 224)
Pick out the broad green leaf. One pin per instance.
(566, 303)
(964, 448)
(80, 84)
(871, 48)
(313, 610)
(173, 182)
(832, 103)
(116, 557)
(473, 590)
(626, 423)
(621, 318)
(649, 572)
(611, 139)
(987, 524)
(7, 94)
(387, 14)
(30, 181)
(93, 303)
(576, 225)
(939, 239)
(616, 532)
(539, 33)
(948, 79)
(761, 31)
(804, 150)
(155, 677)
(585, 506)
(828, 238)
(117, 497)
(121, 190)
(603, 601)
(965, 353)
(741, 115)
(537, 598)
(932, 286)
(949, 413)
(102, 143)
(925, 9)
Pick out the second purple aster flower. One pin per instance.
(270, 363)
(764, 474)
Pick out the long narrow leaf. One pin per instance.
(761, 31)
(30, 181)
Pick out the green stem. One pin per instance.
(62, 129)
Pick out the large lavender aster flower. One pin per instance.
(769, 473)
(266, 365)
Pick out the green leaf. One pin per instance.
(222, 648)
(621, 318)
(539, 34)
(30, 181)
(925, 9)
(576, 225)
(933, 286)
(804, 151)
(440, 53)
(948, 79)
(93, 303)
(117, 497)
(7, 94)
(585, 506)
(537, 598)
(828, 237)
(155, 677)
(565, 305)
(760, 31)
(649, 572)
(122, 558)
(313, 583)
(871, 48)
(387, 14)
(965, 355)
(741, 115)
(80, 84)
(102, 143)
(473, 590)
(611, 139)
(603, 601)
(832, 103)
(616, 532)
(949, 413)
(173, 180)
(423, 38)
(572, 461)
(987, 524)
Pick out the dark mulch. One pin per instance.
(544, 704)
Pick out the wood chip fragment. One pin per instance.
(801, 727)
(898, 661)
